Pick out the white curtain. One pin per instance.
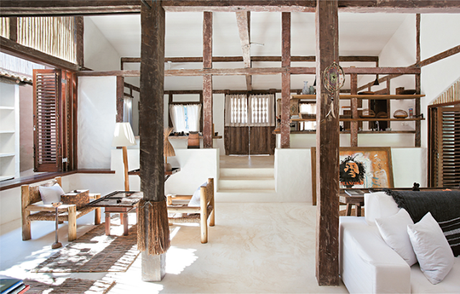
(177, 113)
(261, 110)
(193, 117)
(236, 110)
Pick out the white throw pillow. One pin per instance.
(195, 200)
(432, 249)
(393, 230)
(378, 205)
(51, 194)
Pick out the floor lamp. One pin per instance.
(122, 137)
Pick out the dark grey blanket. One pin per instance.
(444, 206)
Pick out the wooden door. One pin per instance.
(444, 147)
(236, 140)
(261, 140)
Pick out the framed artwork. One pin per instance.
(360, 167)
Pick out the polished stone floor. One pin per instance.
(254, 248)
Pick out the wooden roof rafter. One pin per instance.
(98, 7)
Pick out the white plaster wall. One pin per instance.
(439, 32)
(293, 175)
(218, 119)
(364, 140)
(196, 166)
(96, 121)
(99, 54)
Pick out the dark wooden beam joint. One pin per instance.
(327, 146)
(120, 97)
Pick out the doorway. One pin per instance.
(249, 124)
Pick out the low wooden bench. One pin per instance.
(33, 209)
(182, 213)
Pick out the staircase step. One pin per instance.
(247, 184)
(246, 172)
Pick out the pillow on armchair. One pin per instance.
(51, 194)
(195, 200)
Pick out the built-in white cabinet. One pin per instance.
(9, 131)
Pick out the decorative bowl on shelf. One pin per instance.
(367, 113)
(381, 114)
(400, 114)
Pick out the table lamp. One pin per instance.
(122, 137)
(168, 149)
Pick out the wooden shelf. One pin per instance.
(363, 119)
(277, 131)
(186, 137)
(374, 97)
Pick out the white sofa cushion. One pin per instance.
(432, 249)
(393, 230)
(378, 205)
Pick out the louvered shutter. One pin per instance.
(444, 147)
(450, 146)
(46, 120)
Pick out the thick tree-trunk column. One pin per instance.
(327, 146)
(207, 80)
(354, 110)
(153, 228)
(285, 80)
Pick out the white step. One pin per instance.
(247, 183)
(246, 172)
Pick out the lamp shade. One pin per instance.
(123, 135)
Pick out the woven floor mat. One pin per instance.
(94, 252)
(68, 285)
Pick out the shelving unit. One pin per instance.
(415, 97)
(9, 131)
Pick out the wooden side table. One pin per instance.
(357, 201)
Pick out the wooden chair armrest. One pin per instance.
(47, 207)
(94, 196)
(172, 198)
(183, 209)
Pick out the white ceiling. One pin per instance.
(359, 34)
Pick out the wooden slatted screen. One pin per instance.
(444, 162)
(46, 120)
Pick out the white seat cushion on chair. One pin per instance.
(378, 205)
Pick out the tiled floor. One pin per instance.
(254, 248)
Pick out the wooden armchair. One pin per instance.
(182, 213)
(32, 202)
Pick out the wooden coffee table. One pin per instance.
(122, 202)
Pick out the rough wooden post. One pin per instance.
(152, 209)
(418, 139)
(120, 97)
(327, 148)
(354, 111)
(285, 80)
(13, 29)
(72, 222)
(25, 201)
(79, 36)
(207, 80)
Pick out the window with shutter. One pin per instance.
(444, 147)
(46, 120)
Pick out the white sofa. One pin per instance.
(369, 265)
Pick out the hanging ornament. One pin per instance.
(333, 79)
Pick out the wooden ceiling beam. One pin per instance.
(255, 71)
(242, 21)
(98, 7)
(21, 51)
(254, 59)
